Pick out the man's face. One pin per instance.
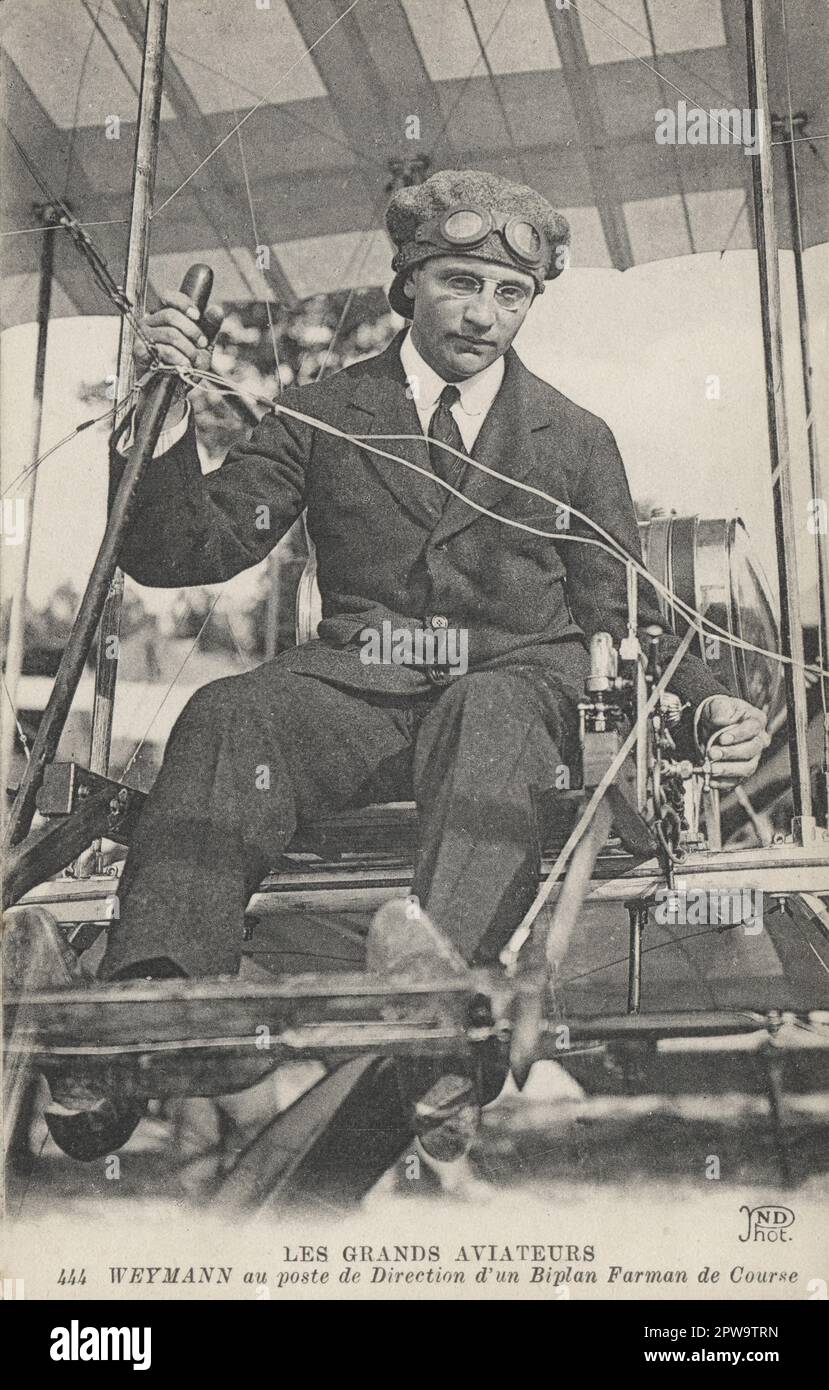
(466, 312)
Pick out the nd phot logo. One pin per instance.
(768, 1222)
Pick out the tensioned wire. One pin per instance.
(559, 935)
(329, 135)
(610, 545)
(810, 423)
(255, 230)
(617, 550)
(221, 239)
(686, 214)
(607, 543)
(99, 30)
(354, 270)
(263, 99)
(613, 548)
(660, 75)
(169, 690)
(94, 33)
(282, 77)
(86, 246)
(78, 429)
(494, 81)
(317, 41)
(114, 291)
(467, 80)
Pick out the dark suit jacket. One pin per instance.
(389, 549)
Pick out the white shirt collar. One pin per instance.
(477, 392)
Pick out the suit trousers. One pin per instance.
(255, 756)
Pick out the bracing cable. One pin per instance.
(606, 542)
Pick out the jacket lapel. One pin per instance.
(382, 405)
(505, 443)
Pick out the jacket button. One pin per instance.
(438, 620)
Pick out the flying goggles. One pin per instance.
(466, 227)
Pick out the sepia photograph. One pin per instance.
(414, 606)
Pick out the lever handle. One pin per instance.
(197, 284)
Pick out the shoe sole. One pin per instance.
(89, 1134)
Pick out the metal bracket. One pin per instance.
(84, 807)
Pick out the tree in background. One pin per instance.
(320, 337)
(316, 339)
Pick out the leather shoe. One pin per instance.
(83, 1122)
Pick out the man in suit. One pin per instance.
(327, 725)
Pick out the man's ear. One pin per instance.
(409, 285)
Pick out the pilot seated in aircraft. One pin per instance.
(473, 713)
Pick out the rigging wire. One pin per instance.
(557, 940)
(97, 265)
(616, 553)
(496, 87)
(462, 93)
(650, 67)
(333, 136)
(84, 243)
(329, 135)
(667, 593)
(61, 227)
(675, 160)
(84, 425)
(810, 423)
(798, 140)
(101, 273)
(353, 272)
(268, 311)
(693, 964)
(20, 730)
(677, 62)
(123, 305)
(734, 225)
(169, 689)
(129, 79)
(614, 548)
(73, 129)
(609, 544)
(113, 290)
(657, 946)
(282, 77)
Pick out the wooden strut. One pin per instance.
(791, 628)
(791, 129)
(135, 287)
(49, 217)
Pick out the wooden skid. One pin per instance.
(214, 1036)
(296, 1014)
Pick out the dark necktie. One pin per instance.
(444, 429)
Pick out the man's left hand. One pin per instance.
(741, 737)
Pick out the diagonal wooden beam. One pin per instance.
(357, 90)
(189, 151)
(597, 148)
(351, 77)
